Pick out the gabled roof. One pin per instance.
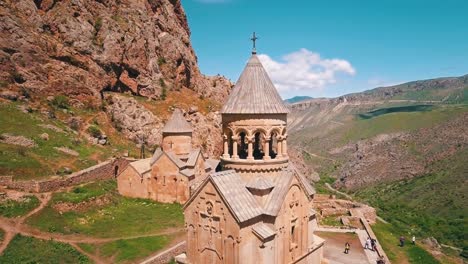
(192, 157)
(170, 154)
(260, 183)
(212, 163)
(177, 124)
(237, 198)
(187, 172)
(263, 231)
(141, 166)
(276, 197)
(254, 93)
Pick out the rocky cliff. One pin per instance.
(91, 50)
(81, 48)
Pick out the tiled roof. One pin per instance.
(276, 197)
(177, 124)
(213, 163)
(192, 157)
(172, 156)
(237, 198)
(263, 231)
(254, 93)
(187, 172)
(260, 183)
(310, 190)
(157, 153)
(141, 166)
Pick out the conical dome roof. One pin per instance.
(177, 124)
(254, 93)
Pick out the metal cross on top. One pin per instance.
(254, 38)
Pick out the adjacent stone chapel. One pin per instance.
(174, 169)
(258, 208)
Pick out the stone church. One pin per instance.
(257, 209)
(173, 170)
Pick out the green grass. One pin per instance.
(331, 220)
(85, 192)
(133, 249)
(392, 120)
(430, 205)
(13, 208)
(30, 250)
(121, 217)
(44, 160)
(388, 236)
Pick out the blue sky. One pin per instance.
(328, 48)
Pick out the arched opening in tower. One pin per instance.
(258, 146)
(242, 146)
(273, 144)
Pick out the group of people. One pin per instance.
(371, 244)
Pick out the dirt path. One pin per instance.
(335, 190)
(94, 258)
(315, 155)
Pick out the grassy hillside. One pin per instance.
(415, 129)
(44, 159)
(105, 213)
(430, 205)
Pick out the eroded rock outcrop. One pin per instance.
(80, 48)
(138, 123)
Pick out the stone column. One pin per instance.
(285, 147)
(226, 147)
(266, 148)
(250, 148)
(234, 147)
(279, 149)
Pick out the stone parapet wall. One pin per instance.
(103, 171)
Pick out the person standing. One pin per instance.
(347, 246)
(373, 244)
(402, 241)
(368, 243)
(413, 240)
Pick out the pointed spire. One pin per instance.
(177, 124)
(254, 92)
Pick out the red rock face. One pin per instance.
(80, 48)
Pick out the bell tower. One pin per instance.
(254, 122)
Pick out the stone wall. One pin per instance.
(102, 171)
(166, 256)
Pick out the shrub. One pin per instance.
(161, 61)
(94, 131)
(60, 101)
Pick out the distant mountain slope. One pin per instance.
(446, 89)
(297, 99)
(404, 144)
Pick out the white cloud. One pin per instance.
(304, 70)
